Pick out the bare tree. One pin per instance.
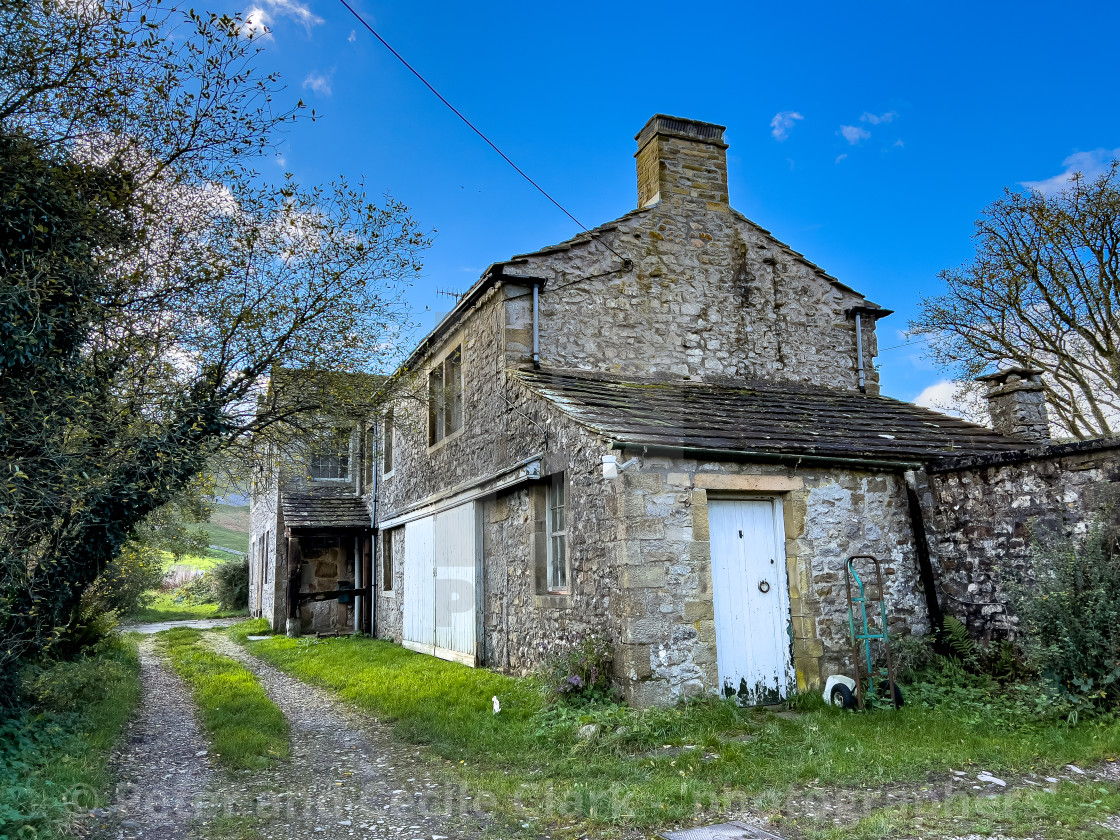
(1042, 291)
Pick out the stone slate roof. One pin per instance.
(326, 507)
(763, 419)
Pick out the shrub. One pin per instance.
(126, 583)
(581, 672)
(1070, 615)
(231, 584)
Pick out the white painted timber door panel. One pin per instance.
(751, 596)
(456, 566)
(418, 631)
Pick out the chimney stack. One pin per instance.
(1017, 404)
(682, 162)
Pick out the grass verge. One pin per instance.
(657, 766)
(54, 755)
(245, 728)
(1070, 810)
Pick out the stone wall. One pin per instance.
(986, 512)
(711, 297)
(668, 639)
(267, 573)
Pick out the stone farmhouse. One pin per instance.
(667, 430)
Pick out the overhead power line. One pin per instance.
(473, 127)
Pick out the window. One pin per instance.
(387, 561)
(367, 456)
(388, 444)
(445, 397)
(330, 457)
(556, 524)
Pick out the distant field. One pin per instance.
(229, 527)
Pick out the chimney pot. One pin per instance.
(1017, 403)
(683, 162)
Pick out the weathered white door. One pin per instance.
(418, 631)
(751, 598)
(440, 615)
(456, 560)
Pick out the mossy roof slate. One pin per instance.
(324, 507)
(763, 418)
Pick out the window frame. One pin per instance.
(557, 575)
(446, 398)
(344, 433)
(388, 563)
(388, 429)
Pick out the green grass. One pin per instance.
(164, 608)
(246, 729)
(1070, 810)
(229, 527)
(742, 759)
(54, 757)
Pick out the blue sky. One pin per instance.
(901, 122)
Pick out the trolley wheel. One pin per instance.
(896, 695)
(841, 697)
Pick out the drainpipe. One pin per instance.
(859, 354)
(921, 545)
(536, 327)
(358, 558)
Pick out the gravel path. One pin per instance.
(193, 623)
(162, 766)
(347, 776)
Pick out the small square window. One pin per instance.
(556, 529)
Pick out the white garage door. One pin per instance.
(441, 575)
(751, 597)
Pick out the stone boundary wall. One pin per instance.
(986, 511)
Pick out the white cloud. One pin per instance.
(256, 24)
(782, 124)
(940, 396)
(899, 144)
(258, 18)
(353, 36)
(1090, 164)
(318, 83)
(875, 119)
(854, 134)
(295, 10)
(840, 157)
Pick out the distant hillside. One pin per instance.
(229, 527)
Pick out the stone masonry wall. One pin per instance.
(266, 534)
(985, 518)
(666, 608)
(711, 297)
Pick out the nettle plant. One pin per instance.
(1070, 617)
(578, 669)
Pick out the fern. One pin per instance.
(959, 641)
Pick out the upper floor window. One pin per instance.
(387, 445)
(330, 455)
(556, 516)
(445, 397)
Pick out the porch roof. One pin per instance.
(327, 509)
(763, 419)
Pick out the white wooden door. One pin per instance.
(456, 561)
(751, 597)
(418, 631)
(440, 576)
